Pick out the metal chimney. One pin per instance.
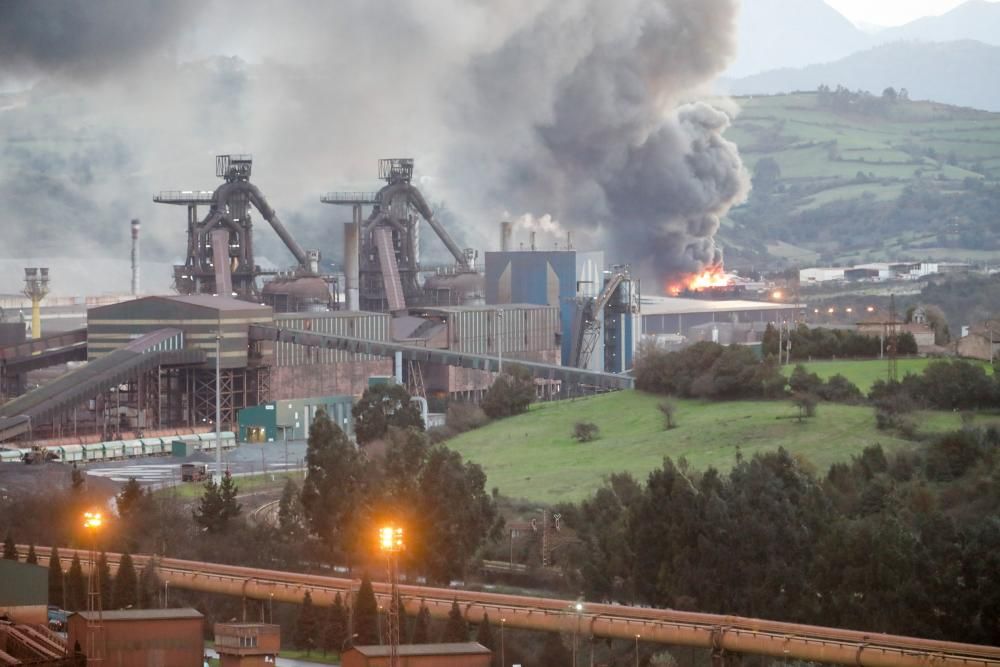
(135, 256)
(569, 240)
(351, 274)
(532, 240)
(506, 234)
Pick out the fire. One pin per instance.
(711, 277)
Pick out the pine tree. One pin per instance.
(290, 509)
(484, 634)
(104, 571)
(335, 632)
(125, 590)
(305, 627)
(32, 556)
(208, 514)
(456, 629)
(554, 652)
(129, 499)
(422, 627)
(76, 587)
(149, 587)
(55, 579)
(366, 614)
(9, 548)
(227, 494)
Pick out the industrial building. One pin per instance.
(669, 317)
(290, 419)
(468, 654)
(871, 272)
(24, 592)
(160, 637)
(247, 644)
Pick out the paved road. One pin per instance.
(247, 459)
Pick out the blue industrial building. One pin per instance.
(547, 278)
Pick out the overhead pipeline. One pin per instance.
(731, 634)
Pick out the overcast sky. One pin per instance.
(891, 12)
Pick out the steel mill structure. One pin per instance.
(725, 636)
(220, 252)
(388, 241)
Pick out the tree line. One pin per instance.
(879, 543)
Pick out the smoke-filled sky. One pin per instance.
(583, 110)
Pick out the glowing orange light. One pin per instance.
(390, 539)
(831, 310)
(776, 294)
(92, 520)
(871, 309)
(850, 310)
(696, 282)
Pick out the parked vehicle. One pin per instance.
(193, 472)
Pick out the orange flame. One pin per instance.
(713, 276)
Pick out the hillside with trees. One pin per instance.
(841, 175)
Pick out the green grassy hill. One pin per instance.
(863, 373)
(534, 456)
(913, 179)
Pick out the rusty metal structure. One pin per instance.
(220, 254)
(725, 636)
(388, 241)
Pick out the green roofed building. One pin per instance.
(277, 420)
(24, 592)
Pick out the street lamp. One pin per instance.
(637, 650)
(578, 607)
(92, 523)
(390, 542)
(503, 622)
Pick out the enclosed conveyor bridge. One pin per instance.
(567, 374)
(159, 348)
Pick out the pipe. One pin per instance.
(506, 232)
(733, 634)
(258, 199)
(220, 257)
(532, 241)
(135, 256)
(425, 211)
(351, 274)
(569, 240)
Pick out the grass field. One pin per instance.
(244, 484)
(533, 455)
(863, 373)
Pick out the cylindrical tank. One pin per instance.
(135, 256)
(506, 234)
(297, 295)
(457, 289)
(351, 279)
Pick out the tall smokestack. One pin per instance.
(569, 240)
(532, 240)
(351, 277)
(135, 256)
(506, 234)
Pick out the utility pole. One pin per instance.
(499, 336)
(218, 405)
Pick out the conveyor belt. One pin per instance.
(447, 357)
(390, 271)
(159, 348)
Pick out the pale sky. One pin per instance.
(891, 12)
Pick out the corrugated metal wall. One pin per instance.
(371, 326)
(523, 329)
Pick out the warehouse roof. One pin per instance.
(490, 307)
(141, 614)
(671, 305)
(465, 648)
